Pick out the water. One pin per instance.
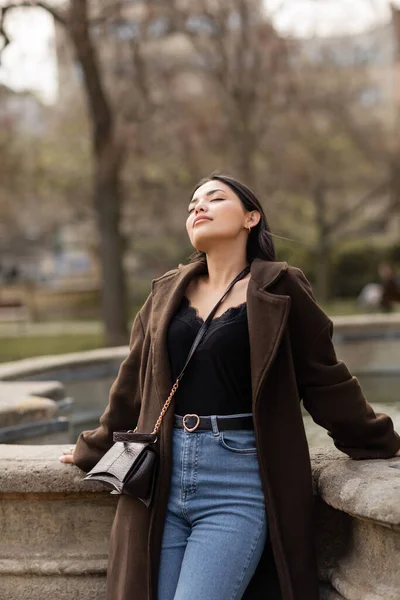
(91, 398)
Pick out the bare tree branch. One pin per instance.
(343, 216)
(56, 14)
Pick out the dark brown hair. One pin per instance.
(260, 243)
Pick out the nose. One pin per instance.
(197, 208)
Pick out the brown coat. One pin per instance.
(292, 358)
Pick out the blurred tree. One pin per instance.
(108, 156)
(243, 63)
(11, 184)
(175, 91)
(330, 161)
(43, 183)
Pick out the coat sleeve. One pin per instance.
(330, 393)
(122, 410)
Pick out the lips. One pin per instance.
(199, 219)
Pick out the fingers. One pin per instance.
(67, 456)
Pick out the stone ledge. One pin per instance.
(56, 527)
(36, 469)
(367, 489)
(42, 389)
(326, 592)
(368, 320)
(42, 364)
(25, 409)
(74, 565)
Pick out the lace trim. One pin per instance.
(232, 309)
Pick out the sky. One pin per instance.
(30, 63)
(328, 17)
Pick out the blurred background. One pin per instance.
(110, 112)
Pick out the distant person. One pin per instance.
(12, 275)
(370, 296)
(390, 287)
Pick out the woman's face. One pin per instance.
(226, 216)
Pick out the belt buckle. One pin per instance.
(190, 429)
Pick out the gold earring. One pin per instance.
(248, 229)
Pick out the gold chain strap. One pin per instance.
(164, 408)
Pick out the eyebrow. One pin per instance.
(207, 194)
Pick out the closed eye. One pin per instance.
(213, 200)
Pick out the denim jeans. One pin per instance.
(215, 527)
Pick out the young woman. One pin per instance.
(232, 513)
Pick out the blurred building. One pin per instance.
(22, 111)
(69, 261)
(372, 57)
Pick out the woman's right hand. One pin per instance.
(67, 456)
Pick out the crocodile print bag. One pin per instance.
(130, 465)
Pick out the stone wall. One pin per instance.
(54, 527)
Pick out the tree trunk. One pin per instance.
(323, 274)
(246, 151)
(323, 262)
(108, 153)
(395, 183)
(107, 201)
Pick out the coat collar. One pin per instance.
(267, 316)
(263, 272)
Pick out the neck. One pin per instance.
(223, 268)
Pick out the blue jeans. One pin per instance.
(215, 527)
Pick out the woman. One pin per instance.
(232, 514)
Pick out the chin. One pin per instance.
(202, 243)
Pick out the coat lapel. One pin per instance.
(267, 316)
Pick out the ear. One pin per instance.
(255, 217)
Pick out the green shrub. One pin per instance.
(297, 255)
(355, 263)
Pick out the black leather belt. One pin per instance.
(192, 422)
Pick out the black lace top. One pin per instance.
(217, 379)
